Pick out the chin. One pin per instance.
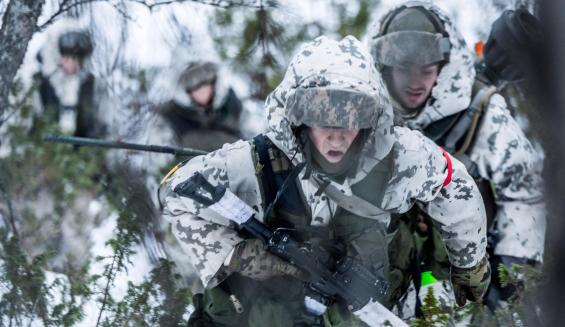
(410, 106)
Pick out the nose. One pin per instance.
(414, 79)
(336, 137)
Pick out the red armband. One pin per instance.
(449, 167)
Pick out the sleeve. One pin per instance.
(506, 158)
(455, 206)
(207, 238)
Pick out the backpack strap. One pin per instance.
(262, 144)
(478, 106)
(276, 173)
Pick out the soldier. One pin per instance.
(429, 72)
(332, 114)
(205, 112)
(66, 87)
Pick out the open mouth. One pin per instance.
(335, 154)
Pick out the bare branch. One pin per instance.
(216, 3)
(65, 6)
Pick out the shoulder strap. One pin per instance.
(479, 103)
(278, 179)
(455, 133)
(262, 144)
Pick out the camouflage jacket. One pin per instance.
(417, 173)
(501, 151)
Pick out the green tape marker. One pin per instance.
(428, 278)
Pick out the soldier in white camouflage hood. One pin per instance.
(205, 111)
(430, 74)
(332, 114)
(66, 87)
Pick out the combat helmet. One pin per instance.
(411, 35)
(75, 43)
(197, 74)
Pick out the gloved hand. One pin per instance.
(251, 259)
(470, 283)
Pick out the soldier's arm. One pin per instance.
(206, 238)
(449, 196)
(506, 157)
(209, 240)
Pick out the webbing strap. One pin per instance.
(356, 205)
(267, 176)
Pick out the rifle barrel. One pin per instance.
(87, 141)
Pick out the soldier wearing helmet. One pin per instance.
(330, 126)
(430, 75)
(205, 112)
(66, 87)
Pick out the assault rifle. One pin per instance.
(86, 141)
(345, 280)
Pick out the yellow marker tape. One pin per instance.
(172, 171)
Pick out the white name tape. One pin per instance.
(232, 208)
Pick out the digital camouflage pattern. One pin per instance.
(352, 110)
(471, 281)
(503, 154)
(417, 172)
(250, 259)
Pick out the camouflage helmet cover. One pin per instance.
(411, 35)
(338, 91)
(327, 107)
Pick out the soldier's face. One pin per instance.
(413, 84)
(203, 95)
(332, 143)
(70, 64)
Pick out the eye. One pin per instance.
(428, 72)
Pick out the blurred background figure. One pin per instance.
(65, 84)
(204, 112)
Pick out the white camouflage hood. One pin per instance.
(452, 92)
(327, 64)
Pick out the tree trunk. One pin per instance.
(551, 122)
(18, 25)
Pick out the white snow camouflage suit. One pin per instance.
(501, 152)
(414, 168)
